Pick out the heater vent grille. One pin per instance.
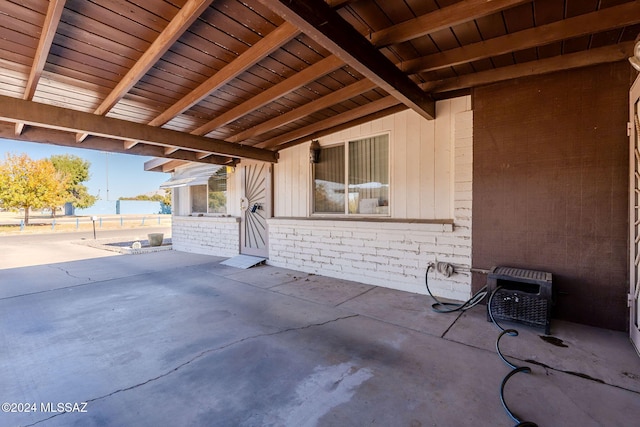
(519, 295)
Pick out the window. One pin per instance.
(212, 196)
(353, 178)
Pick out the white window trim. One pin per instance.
(344, 143)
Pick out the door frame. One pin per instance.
(634, 215)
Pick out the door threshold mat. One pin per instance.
(243, 261)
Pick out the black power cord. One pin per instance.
(514, 368)
(447, 307)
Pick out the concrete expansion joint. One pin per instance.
(199, 356)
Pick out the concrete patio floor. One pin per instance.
(176, 339)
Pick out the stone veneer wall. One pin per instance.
(392, 253)
(218, 236)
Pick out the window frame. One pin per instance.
(208, 192)
(345, 213)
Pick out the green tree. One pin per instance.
(77, 171)
(27, 184)
(166, 198)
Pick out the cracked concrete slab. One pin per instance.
(600, 354)
(176, 339)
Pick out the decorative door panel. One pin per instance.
(256, 208)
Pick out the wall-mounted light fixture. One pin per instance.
(314, 151)
(635, 59)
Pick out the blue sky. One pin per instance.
(125, 173)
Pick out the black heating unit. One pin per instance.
(520, 295)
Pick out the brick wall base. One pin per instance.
(217, 236)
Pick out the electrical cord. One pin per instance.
(447, 307)
(514, 368)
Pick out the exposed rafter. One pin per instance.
(440, 19)
(601, 55)
(52, 117)
(49, 28)
(178, 25)
(294, 82)
(200, 67)
(326, 101)
(250, 57)
(316, 19)
(595, 22)
(353, 114)
(346, 125)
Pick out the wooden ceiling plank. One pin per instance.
(326, 101)
(606, 19)
(321, 23)
(178, 25)
(272, 41)
(299, 79)
(613, 53)
(350, 115)
(49, 116)
(54, 12)
(441, 19)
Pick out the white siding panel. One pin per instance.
(398, 167)
(427, 171)
(292, 182)
(412, 165)
(442, 161)
(422, 164)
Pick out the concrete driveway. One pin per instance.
(178, 339)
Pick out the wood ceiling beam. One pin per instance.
(595, 22)
(326, 101)
(178, 25)
(443, 18)
(271, 42)
(66, 139)
(601, 55)
(49, 28)
(458, 13)
(347, 116)
(309, 74)
(346, 125)
(49, 116)
(51, 21)
(128, 144)
(317, 20)
(171, 165)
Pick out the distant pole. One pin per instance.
(93, 219)
(106, 156)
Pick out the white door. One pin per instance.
(256, 208)
(634, 213)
